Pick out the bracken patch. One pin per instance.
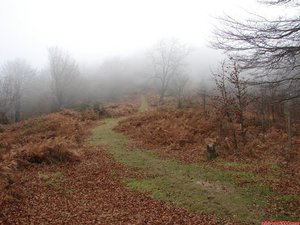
(54, 138)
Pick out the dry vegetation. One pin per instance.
(45, 165)
(124, 107)
(49, 139)
(116, 110)
(183, 134)
(45, 158)
(189, 129)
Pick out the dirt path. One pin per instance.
(90, 192)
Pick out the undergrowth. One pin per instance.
(198, 187)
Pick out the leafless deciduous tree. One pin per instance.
(232, 98)
(15, 73)
(180, 83)
(203, 92)
(268, 47)
(240, 94)
(64, 72)
(6, 98)
(271, 47)
(168, 58)
(225, 101)
(280, 2)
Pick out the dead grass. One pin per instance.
(58, 150)
(182, 135)
(49, 139)
(227, 189)
(124, 109)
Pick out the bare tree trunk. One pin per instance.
(162, 97)
(262, 114)
(289, 129)
(263, 122)
(222, 135)
(242, 127)
(204, 102)
(17, 106)
(273, 112)
(235, 141)
(18, 111)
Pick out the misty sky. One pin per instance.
(92, 30)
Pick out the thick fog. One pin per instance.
(65, 53)
(93, 30)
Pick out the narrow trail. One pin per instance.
(195, 187)
(91, 192)
(190, 186)
(117, 183)
(240, 190)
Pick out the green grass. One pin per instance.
(55, 181)
(195, 187)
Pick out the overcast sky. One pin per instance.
(92, 30)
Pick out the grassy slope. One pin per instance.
(196, 187)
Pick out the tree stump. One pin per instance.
(211, 152)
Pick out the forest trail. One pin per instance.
(195, 187)
(118, 183)
(89, 192)
(198, 187)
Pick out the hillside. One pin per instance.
(157, 173)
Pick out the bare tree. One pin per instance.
(6, 97)
(168, 59)
(240, 93)
(15, 74)
(270, 50)
(280, 2)
(203, 92)
(289, 128)
(270, 47)
(180, 82)
(64, 72)
(225, 101)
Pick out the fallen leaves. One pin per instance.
(53, 138)
(183, 135)
(98, 197)
(178, 133)
(47, 191)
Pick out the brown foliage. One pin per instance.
(183, 134)
(125, 109)
(53, 138)
(92, 193)
(188, 130)
(59, 150)
(180, 133)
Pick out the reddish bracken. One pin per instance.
(53, 138)
(182, 134)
